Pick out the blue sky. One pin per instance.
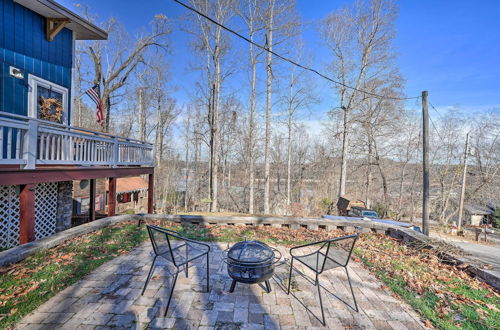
(450, 48)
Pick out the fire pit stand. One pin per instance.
(251, 262)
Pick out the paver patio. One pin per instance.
(110, 297)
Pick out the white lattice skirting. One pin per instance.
(9, 216)
(45, 213)
(45, 209)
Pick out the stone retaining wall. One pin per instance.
(20, 252)
(406, 235)
(278, 222)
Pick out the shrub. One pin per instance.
(169, 209)
(297, 209)
(327, 205)
(495, 221)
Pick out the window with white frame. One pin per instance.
(46, 100)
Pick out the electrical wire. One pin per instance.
(440, 115)
(435, 109)
(437, 132)
(289, 60)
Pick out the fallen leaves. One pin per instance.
(426, 275)
(428, 324)
(21, 290)
(36, 274)
(68, 256)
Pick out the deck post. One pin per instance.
(151, 193)
(27, 213)
(116, 153)
(30, 145)
(92, 201)
(112, 197)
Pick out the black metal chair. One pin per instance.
(179, 254)
(331, 254)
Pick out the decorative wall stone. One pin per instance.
(64, 205)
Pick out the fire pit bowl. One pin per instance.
(251, 262)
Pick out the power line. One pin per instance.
(435, 128)
(435, 109)
(289, 60)
(437, 132)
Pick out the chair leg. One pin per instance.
(149, 276)
(290, 277)
(352, 291)
(171, 292)
(233, 285)
(320, 300)
(268, 286)
(208, 275)
(187, 263)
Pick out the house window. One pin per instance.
(46, 100)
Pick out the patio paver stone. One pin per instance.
(110, 297)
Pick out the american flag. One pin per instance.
(93, 93)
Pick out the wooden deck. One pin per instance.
(30, 142)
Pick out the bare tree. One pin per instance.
(300, 97)
(250, 14)
(280, 23)
(269, 22)
(187, 143)
(214, 45)
(360, 38)
(116, 58)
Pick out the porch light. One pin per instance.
(16, 73)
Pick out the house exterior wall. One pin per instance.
(81, 197)
(475, 220)
(141, 206)
(23, 45)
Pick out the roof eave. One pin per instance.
(82, 28)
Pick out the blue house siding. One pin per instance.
(24, 46)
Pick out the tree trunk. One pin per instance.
(269, 33)
(211, 115)
(142, 116)
(345, 144)
(159, 134)
(384, 179)
(401, 188)
(369, 174)
(186, 159)
(215, 132)
(251, 132)
(289, 147)
(106, 104)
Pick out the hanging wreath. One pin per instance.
(51, 109)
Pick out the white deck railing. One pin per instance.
(29, 142)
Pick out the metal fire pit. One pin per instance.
(251, 262)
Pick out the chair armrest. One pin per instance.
(178, 236)
(170, 231)
(308, 245)
(194, 242)
(322, 242)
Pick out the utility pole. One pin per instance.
(462, 194)
(425, 153)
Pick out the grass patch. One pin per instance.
(444, 295)
(26, 285)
